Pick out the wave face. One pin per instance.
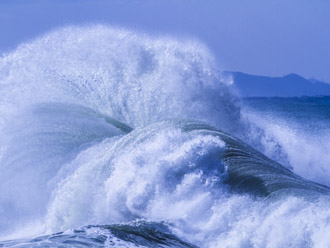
(112, 137)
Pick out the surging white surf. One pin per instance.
(58, 92)
(68, 100)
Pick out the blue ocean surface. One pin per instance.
(310, 112)
(114, 138)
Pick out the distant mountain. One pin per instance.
(289, 85)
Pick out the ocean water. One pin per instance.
(114, 138)
(300, 128)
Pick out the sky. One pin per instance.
(262, 37)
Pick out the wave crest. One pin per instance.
(129, 76)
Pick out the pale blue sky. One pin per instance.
(265, 37)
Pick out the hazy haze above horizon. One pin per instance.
(271, 38)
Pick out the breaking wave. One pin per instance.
(113, 137)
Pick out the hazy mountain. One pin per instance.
(289, 85)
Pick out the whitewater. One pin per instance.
(116, 138)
